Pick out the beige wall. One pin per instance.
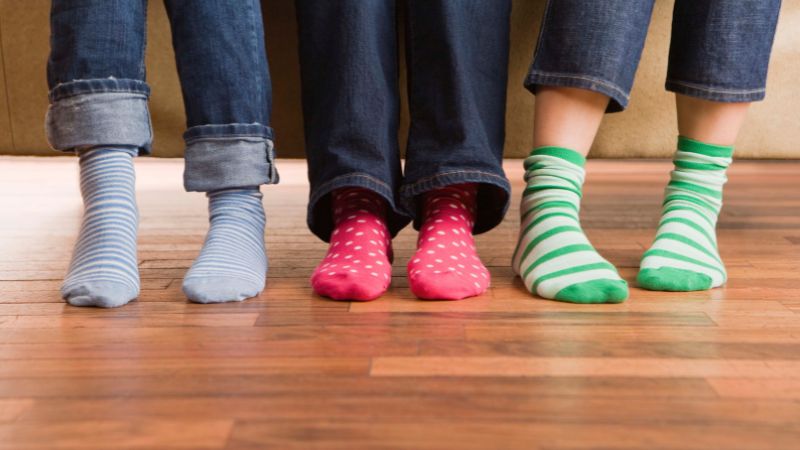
(648, 128)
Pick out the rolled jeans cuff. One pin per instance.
(88, 113)
(228, 156)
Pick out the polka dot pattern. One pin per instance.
(358, 264)
(446, 265)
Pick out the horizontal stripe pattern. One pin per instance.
(103, 270)
(686, 237)
(552, 252)
(232, 265)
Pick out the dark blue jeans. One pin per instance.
(98, 92)
(457, 59)
(719, 51)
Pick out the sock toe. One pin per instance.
(672, 279)
(217, 289)
(103, 294)
(342, 286)
(444, 286)
(595, 291)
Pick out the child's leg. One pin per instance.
(99, 110)
(567, 117)
(454, 186)
(348, 59)
(219, 47)
(684, 255)
(553, 255)
(717, 67)
(575, 85)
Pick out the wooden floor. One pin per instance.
(288, 370)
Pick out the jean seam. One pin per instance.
(541, 33)
(325, 185)
(143, 50)
(227, 137)
(599, 81)
(104, 91)
(224, 124)
(431, 178)
(712, 90)
(254, 40)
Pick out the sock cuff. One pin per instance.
(693, 146)
(90, 151)
(561, 152)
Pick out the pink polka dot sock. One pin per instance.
(446, 264)
(358, 264)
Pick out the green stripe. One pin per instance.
(546, 235)
(561, 152)
(697, 166)
(531, 189)
(537, 221)
(690, 224)
(672, 255)
(690, 209)
(550, 204)
(692, 146)
(571, 270)
(689, 242)
(695, 188)
(556, 253)
(531, 180)
(690, 199)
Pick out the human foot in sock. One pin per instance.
(358, 264)
(446, 264)
(553, 255)
(684, 255)
(233, 263)
(103, 271)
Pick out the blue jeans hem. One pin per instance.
(494, 193)
(103, 118)
(619, 96)
(320, 217)
(715, 94)
(223, 162)
(98, 86)
(228, 131)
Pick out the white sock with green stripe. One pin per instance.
(684, 255)
(553, 256)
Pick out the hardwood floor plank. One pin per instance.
(106, 434)
(511, 366)
(520, 435)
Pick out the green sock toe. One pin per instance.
(672, 279)
(595, 291)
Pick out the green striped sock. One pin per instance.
(553, 256)
(684, 255)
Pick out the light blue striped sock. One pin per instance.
(104, 271)
(233, 263)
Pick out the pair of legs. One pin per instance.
(457, 59)
(718, 64)
(571, 117)
(99, 110)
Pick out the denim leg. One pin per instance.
(222, 63)
(720, 49)
(348, 61)
(95, 72)
(591, 44)
(457, 53)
